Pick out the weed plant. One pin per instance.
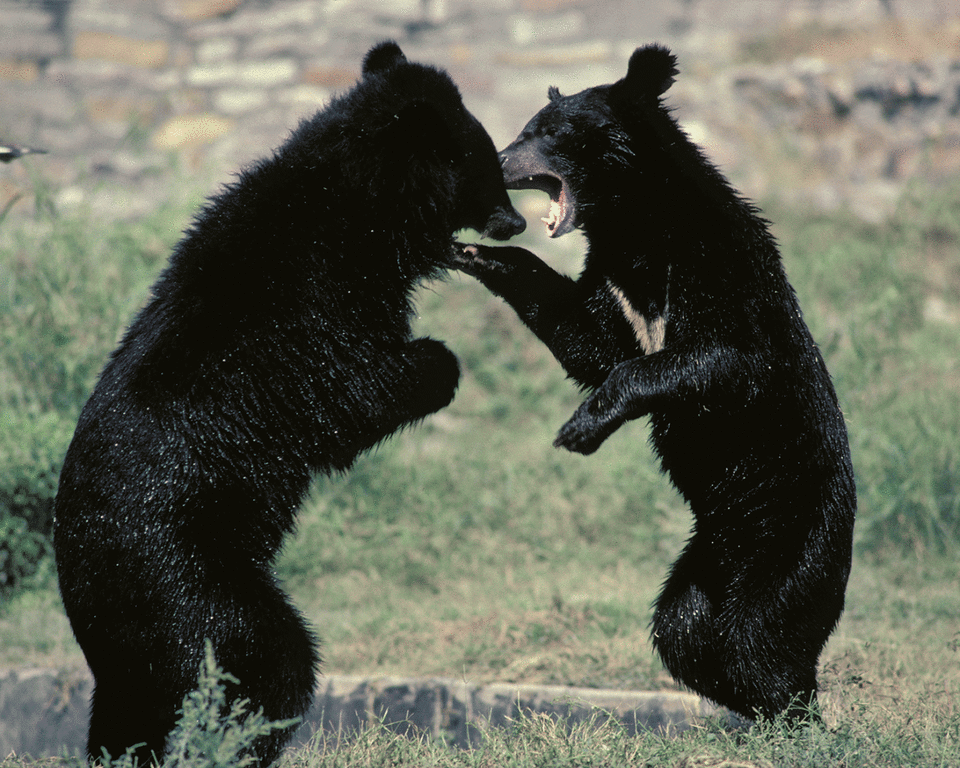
(211, 734)
(470, 548)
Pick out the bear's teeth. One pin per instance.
(552, 219)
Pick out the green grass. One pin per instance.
(68, 287)
(470, 548)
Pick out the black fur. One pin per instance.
(683, 312)
(277, 344)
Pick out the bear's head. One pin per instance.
(583, 149)
(435, 143)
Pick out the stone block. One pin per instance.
(66, 139)
(406, 706)
(308, 97)
(18, 70)
(599, 51)
(253, 19)
(456, 715)
(236, 101)
(200, 10)
(297, 14)
(25, 32)
(118, 108)
(108, 46)
(528, 29)
(216, 49)
(31, 46)
(268, 45)
(263, 74)
(23, 17)
(333, 77)
(548, 6)
(38, 708)
(39, 103)
(339, 709)
(190, 131)
(501, 703)
(127, 18)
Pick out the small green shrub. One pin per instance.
(211, 735)
(32, 445)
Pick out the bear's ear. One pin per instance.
(553, 93)
(651, 71)
(382, 57)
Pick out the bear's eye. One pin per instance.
(548, 131)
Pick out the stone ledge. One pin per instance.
(44, 712)
(459, 711)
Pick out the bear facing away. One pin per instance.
(683, 312)
(276, 344)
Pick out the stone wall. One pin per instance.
(110, 88)
(852, 133)
(124, 91)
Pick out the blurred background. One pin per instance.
(829, 103)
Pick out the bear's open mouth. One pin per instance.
(562, 214)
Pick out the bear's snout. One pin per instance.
(505, 222)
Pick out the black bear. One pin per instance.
(683, 312)
(277, 344)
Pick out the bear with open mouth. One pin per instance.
(683, 313)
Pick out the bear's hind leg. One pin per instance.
(124, 715)
(772, 620)
(733, 644)
(264, 642)
(683, 627)
(258, 637)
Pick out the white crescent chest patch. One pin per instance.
(650, 333)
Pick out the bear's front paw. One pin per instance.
(437, 375)
(466, 258)
(579, 438)
(586, 430)
(485, 260)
